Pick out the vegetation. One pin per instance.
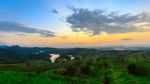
(104, 67)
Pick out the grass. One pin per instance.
(88, 70)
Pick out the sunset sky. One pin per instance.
(75, 23)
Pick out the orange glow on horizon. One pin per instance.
(72, 38)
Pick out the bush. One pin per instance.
(106, 80)
(71, 70)
(86, 70)
(138, 69)
(105, 64)
(74, 70)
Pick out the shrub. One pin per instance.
(71, 70)
(138, 69)
(105, 64)
(86, 70)
(74, 70)
(106, 80)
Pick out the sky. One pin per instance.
(75, 23)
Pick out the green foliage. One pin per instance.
(110, 67)
(138, 69)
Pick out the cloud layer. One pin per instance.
(97, 21)
(15, 27)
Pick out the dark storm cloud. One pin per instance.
(97, 21)
(15, 27)
(55, 11)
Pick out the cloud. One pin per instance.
(126, 39)
(55, 11)
(97, 21)
(2, 42)
(65, 37)
(21, 34)
(62, 19)
(18, 28)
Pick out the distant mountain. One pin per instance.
(124, 48)
(17, 53)
(3, 46)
